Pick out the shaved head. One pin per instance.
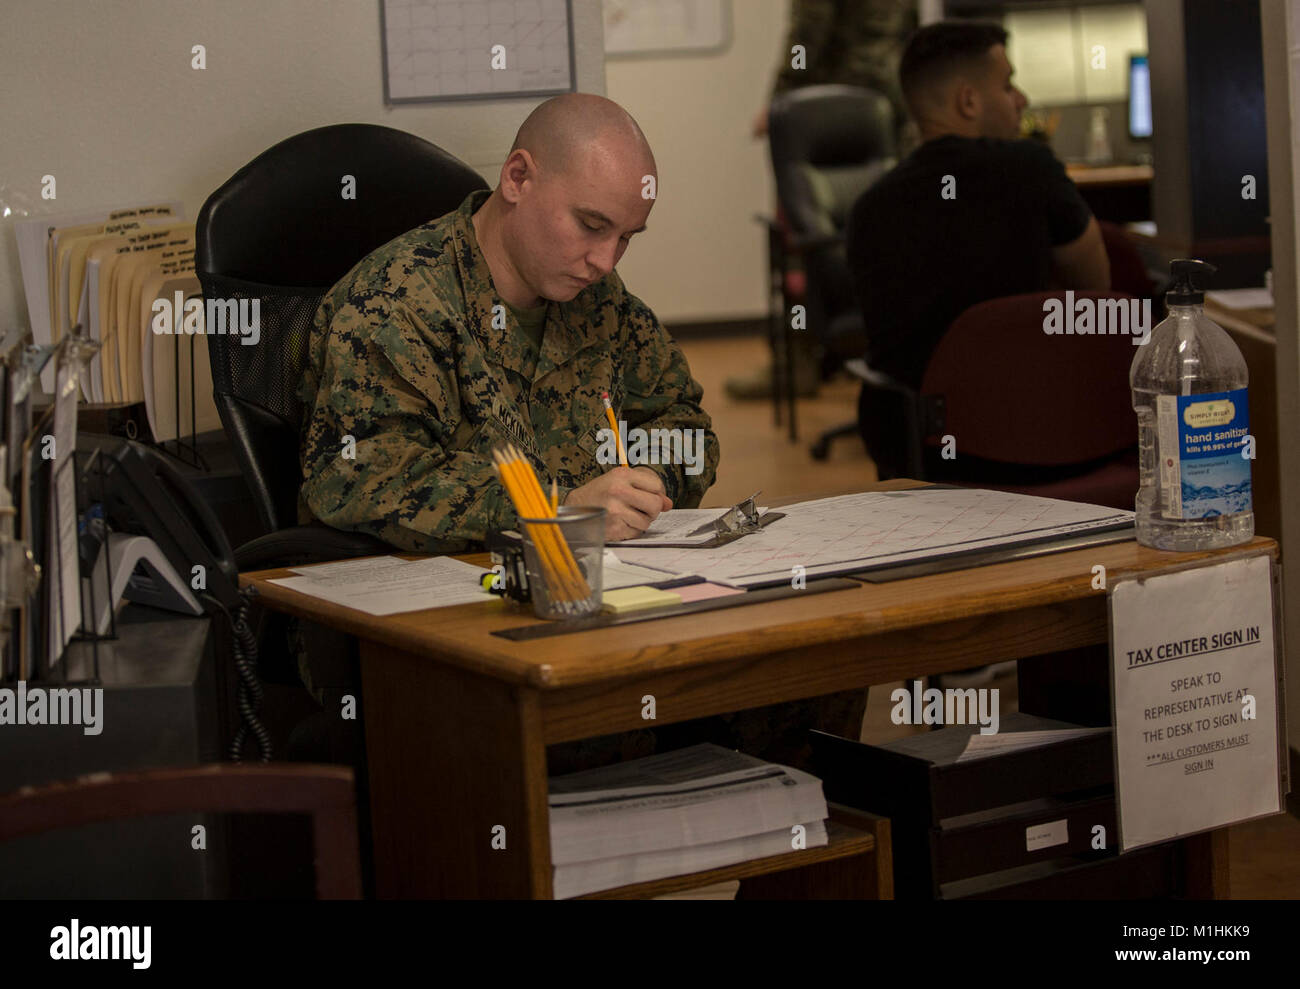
(577, 186)
(563, 132)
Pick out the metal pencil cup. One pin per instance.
(563, 556)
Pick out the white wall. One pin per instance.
(703, 256)
(102, 96)
(1280, 24)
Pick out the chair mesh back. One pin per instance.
(255, 388)
(267, 374)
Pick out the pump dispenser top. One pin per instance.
(1187, 273)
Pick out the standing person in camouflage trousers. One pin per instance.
(852, 43)
(503, 322)
(849, 42)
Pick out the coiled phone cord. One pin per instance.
(249, 694)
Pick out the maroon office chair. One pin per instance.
(326, 793)
(1128, 272)
(1033, 413)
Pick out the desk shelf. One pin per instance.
(857, 853)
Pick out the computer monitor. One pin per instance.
(1139, 98)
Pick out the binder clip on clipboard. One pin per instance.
(738, 520)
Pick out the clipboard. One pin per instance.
(739, 520)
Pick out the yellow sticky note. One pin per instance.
(627, 599)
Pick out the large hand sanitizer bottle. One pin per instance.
(1189, 392)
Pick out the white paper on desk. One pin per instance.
(882, 528)
(1242, 298)
(980, 746)
(366, 566)
(615, 573)
(386, 585)
(676, 525)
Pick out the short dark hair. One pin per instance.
(936, 49)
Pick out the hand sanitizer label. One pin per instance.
(1202, 470)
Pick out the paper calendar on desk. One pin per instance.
(859, 532)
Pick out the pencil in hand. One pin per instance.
(613, 424)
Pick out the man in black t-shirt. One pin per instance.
(974, 213)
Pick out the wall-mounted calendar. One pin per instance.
(476, 49)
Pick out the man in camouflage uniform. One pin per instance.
(503, 322)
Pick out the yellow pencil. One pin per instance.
(613, 424)
(538, 499)
(557, 560)
(546, 549)
(555, 498)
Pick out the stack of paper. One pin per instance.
(126, 277)
(979, 746)
(698, 808)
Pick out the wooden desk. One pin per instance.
(458, 720)
(1119, 193)
(1110, 176)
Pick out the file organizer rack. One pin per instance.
(87, 470)
(131, 419)
(45, 603)
(186, 452)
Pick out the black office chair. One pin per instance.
(280, 230)
(829, 144)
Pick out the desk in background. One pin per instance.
(458, 720)
(1119, 193)
(1252, 331)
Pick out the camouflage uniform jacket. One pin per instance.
(414, 357)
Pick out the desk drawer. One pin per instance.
(957, 821)
(1148, 874)
(964, 847)
(919, 778)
